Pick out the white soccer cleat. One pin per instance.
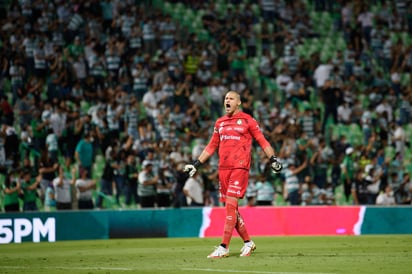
(220, 252)
(247, 249)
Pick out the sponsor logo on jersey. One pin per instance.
(229, 137)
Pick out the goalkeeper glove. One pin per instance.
(192, 168)
(275, 164)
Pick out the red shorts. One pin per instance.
(233, 183)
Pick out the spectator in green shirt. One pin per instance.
(11, 190)
(39, 133)
(348, 172)
(76, 48)
(29, 186)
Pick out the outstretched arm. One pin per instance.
(205, 155)
(267, 149)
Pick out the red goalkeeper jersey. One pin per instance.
(233, 136)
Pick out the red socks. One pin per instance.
(231, 220)
(241, 228)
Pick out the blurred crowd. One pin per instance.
(103, 101)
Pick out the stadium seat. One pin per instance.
(314, 98)
(6, 87)
(389, 152)
(98, 166)
(405, 79)
(196, 25)
(221, 8)
(355, 134)
(200, 13)
(166, 7)
(255, 9)
(408, 131)
(203, 35)
(338, 130)
(257, 27)
(178, 11)
(84, 106)
(190, 21)
(276, 95)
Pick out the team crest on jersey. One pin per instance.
(239, 122)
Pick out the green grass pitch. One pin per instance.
(276, 255)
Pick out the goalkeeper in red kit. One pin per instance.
(232, 136)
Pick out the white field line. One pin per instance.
(68, 268)
(247, 271)
(131, 269)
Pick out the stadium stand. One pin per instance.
(376, 63)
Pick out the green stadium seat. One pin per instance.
(405, 79)
(178, 11)
(189, 15)
(257, 28)
(408, 155)
(7, 87)
(203, 35)
(389, 152)
(355, 135)
(167, 7)
(200, 13)
(108, 202)
(255, 61)
(221, 8)
(338, 130)
(255, 9)
(408, 131)
(84, 106)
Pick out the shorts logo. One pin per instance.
(234, 192)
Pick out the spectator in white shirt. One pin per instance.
(283, 79)
(63, 189)
(384, 106)
(193, 190)
(322, 73)
(399, 139)
(345, 113)
(386, 197)
(365, 18)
